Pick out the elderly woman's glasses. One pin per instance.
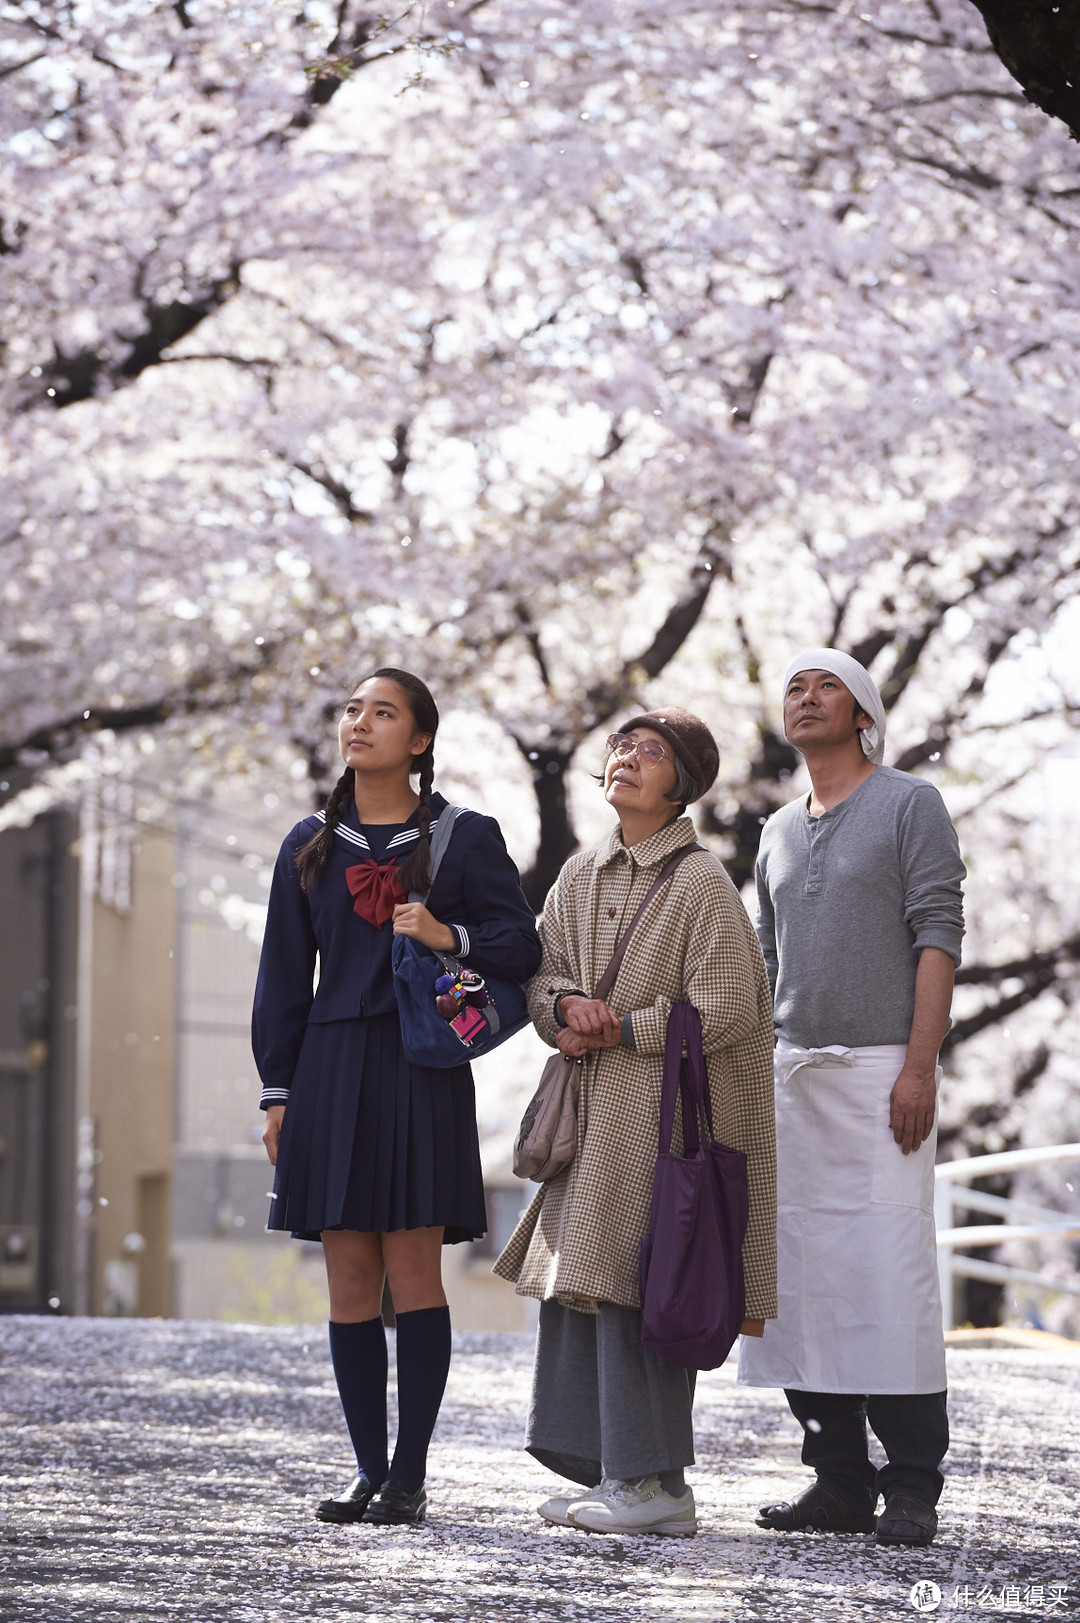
(646, 749)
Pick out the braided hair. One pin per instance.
(311, 858)
(414, 872)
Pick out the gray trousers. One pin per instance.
(603, 1405)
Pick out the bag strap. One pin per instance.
(439, 846)
(440, 842)
(608, 978)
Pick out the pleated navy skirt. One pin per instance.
(370, 1141)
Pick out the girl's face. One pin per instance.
(632, 783)
(377, 732)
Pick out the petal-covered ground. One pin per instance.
(159, 1470)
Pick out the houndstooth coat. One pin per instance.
(579, 1239)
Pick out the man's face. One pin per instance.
(820, 712)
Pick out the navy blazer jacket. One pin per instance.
(477, 892)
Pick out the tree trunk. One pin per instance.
(983, 1300)
(557, 840)
(1039, 43)
(765, 791)
(549, 762)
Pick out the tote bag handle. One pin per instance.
(691, 1080)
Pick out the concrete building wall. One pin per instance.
(87, 991)
(61, 1127)
(131, 1085)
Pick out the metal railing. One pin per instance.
(1023, 1221)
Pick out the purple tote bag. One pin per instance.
(692, 1292)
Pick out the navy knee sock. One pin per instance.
(423, 1362)
(358, 1352)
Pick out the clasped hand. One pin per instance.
(413, 919)
(590, 1023)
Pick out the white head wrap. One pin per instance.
(858, 680)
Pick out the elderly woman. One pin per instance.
(607, 1412)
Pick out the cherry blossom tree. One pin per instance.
(580, 357)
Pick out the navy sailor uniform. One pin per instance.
(370, 1141)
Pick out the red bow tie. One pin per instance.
(376, 889)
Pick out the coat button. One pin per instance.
(611, 912)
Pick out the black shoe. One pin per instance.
(350, 1504)
(906, 1521)
(395, 1506)
(816, 1510)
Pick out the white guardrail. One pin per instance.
(1023, 1221)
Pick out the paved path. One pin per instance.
(155, 1471)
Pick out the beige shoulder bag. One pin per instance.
(547, 1138)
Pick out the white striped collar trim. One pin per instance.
(349, 836)
(406, 837)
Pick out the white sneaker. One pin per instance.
(640, 1506)
(555, 1510)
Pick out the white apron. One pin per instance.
(859, 1305)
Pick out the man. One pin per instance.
(860, 920)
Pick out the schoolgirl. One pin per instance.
(376, 1157)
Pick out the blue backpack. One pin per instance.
(489, 1016)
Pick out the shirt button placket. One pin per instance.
(815, 872)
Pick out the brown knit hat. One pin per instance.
(689, 738)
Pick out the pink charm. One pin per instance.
(468, 1025)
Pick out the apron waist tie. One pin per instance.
(791, 1057)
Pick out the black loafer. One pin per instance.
(395, 1506)
(906, 1521)
(350, 1504)
(816, 1510)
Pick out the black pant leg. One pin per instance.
(913, 1429)
(834, 1443)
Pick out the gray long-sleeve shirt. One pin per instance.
(846, 903)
